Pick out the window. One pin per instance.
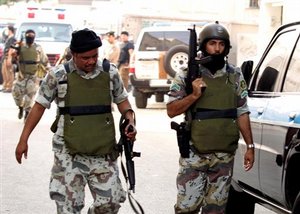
(50, 32)
(274, 64)
(292, 81)
(253, 4)
(163, 41)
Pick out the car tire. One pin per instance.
(296, 207)
(140, 99)
(239, 202)
(175, 59)
(159, 98)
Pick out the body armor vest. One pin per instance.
(214, 127)
(28, 59)
(88, 121)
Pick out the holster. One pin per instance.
(183, 138)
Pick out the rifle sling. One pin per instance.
(203, 114)
(85, 110)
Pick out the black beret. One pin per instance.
(84, 40)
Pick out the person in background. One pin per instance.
(28, 58)
(84, 144)
(214, 117)
(7, 70)
(125, 57)
(111, 50)
(66, 56)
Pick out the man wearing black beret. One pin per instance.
(84, 141)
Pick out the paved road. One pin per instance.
(24, 188)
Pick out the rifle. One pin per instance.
(17, 48)
(126, 145)
(18, 45)
(183, 130)
(193, 63)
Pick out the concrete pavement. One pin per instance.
(24, 188)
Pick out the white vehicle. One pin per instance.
(159, 53)
(53, 34)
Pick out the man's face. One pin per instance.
(215, 46)
(111, 39)
(124, 37)
(86, 61)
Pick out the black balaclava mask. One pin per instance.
(217, 61)
(29, 40)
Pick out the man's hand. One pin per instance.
(249, 159)
(198, 84)
(21, 149)
(130, 132)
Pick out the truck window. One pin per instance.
(163, 41)
(50, 32)
(275, 61)
(292, 81)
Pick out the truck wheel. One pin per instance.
(140, 100)
(176, 58)
(239, 202)
(296, 207)
(159, 98)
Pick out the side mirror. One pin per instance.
(246, 68)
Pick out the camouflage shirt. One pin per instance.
(49, 91)
(177, 88)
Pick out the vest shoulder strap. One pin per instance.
(67, 67)
(106, 65)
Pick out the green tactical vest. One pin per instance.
(88, 121)
(214, 127)
(28, 59)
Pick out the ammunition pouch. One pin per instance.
(183, 138)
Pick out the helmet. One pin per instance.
(214, 31)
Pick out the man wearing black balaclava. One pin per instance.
(29, 56)
(214, 117)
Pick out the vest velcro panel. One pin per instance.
(214, 116)
(89, 126)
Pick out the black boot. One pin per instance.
(20, 115)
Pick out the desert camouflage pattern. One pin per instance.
(71, 173)
(203, 182)
(24, 90)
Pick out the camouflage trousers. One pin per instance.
(24, 90)
(71, 173)
(203, 182)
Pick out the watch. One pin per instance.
(250, 146)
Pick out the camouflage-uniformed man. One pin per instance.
(29, 56)
(84, 142)
(215, 118)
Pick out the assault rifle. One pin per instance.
(18, 44)
(193, 63)
(126, 145)
(182, 129)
